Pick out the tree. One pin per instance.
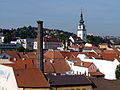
(21, 49)
(7, 39)
(117, 72)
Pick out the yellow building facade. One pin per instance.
(89, 87)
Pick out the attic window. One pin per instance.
(23, 59)
(92, 67)
(4, 57)
(17, 74)
(84, 89)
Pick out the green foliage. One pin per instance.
(7, 34)
(98, 39)
(31, 32)
(117, 72)
(20, 49)
(116, 42)
(64, 36)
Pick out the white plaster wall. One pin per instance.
(106, 67)
(80, 34)
(77, 69)
(7, 78)
(88, 45)
(82, 56)
(71, 39)
(13, 42)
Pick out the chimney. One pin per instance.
(40, 63)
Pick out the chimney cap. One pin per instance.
(39, 22)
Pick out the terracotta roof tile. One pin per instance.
(57, 54)
(56, 66)
(74, 46)
(61, 66)
(75, 54)
(103, 43)
(30, 78)
(21, 64)
(53, 55)
(83, 64)
(92, 54)
(90, 48)
(96, 74)
(48, 67)
(74, 59)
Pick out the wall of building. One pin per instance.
(74, 88)
(49, 45)
(106, 67)
(7, 78)
(77, 69)
(92, 68)
(36, 89)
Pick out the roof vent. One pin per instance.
(51, 61)
(14, 59)
(23, 59)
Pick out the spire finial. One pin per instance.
(81, 16)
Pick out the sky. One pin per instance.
(102, 17)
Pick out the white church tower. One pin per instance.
(81, 31)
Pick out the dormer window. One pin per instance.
(4, 57)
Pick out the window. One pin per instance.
(92, 67)
(66, 89)
(83, 88)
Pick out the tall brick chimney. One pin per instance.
(40, 63)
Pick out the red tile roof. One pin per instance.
(74, 59)
(86, 48)
(53, 55)
(21, 64)
(110, 57)
(96, 74)
(74, 46)
(57, 54)
(48, 67)
(98, 51)
(57, 66)
(49, 39)
(103, 43)
(61, 66)
(83, 64)
(12, 53)
(66, 54)
(75, 54)
(92, 54)
(30, 78)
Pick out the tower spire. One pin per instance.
(81, 16)
(81, 32)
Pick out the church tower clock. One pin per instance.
(81, 31)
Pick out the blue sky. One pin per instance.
(102, 17)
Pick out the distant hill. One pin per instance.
(31, 32)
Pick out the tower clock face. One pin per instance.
(80, 27)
